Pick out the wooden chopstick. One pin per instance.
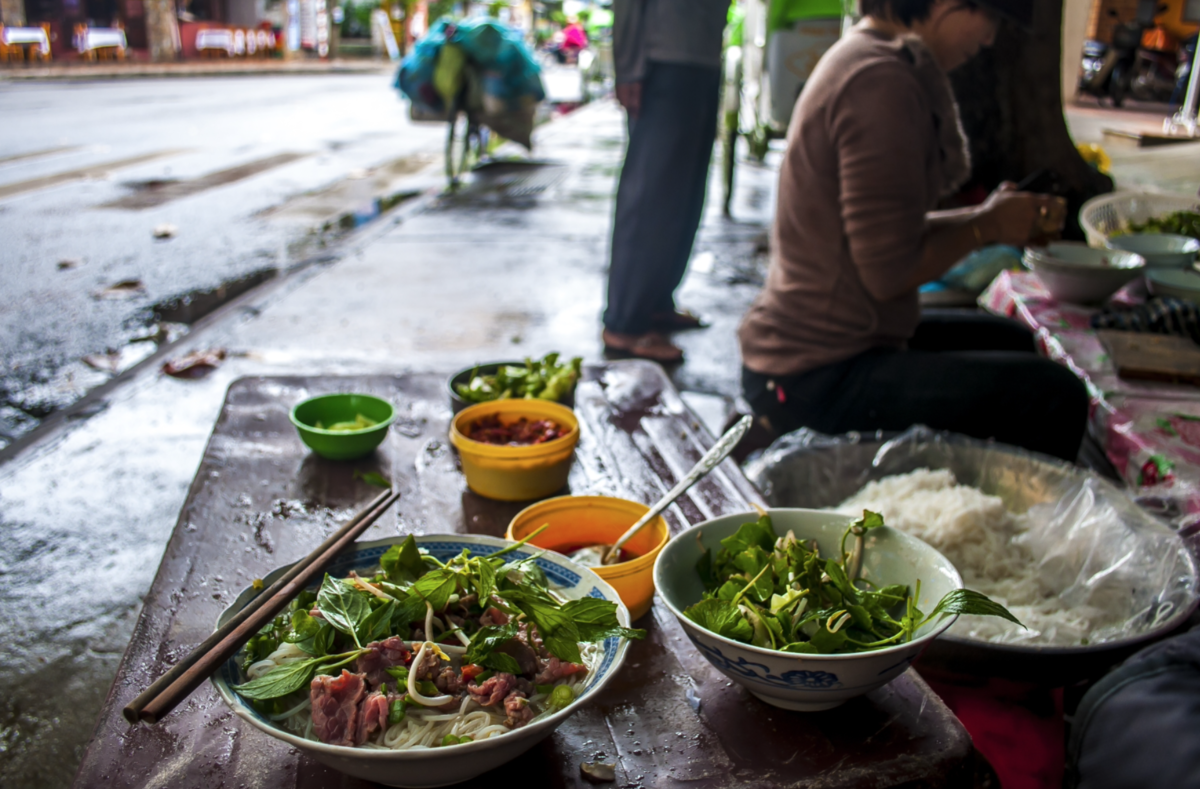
(174, 686)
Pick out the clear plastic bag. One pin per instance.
(1113, 566)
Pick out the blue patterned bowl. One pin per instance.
(437, 766)
(807, 682)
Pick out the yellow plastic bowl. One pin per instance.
(518, 473)
(576, 521)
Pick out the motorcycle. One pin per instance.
(1126, 67)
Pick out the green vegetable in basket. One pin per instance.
(1181, 223)
(546, 379)
(779, 593)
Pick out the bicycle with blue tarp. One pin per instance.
(772, 47)
(476, 75)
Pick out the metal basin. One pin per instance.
(805, 469)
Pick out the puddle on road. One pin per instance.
(515, 183)
(157, 191)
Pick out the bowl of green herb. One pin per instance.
(342, 426)
(808, 609)
(548, 378)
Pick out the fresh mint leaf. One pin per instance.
(558, 632)
(760, 533)
(596, 620)
(721, 617)
(343, 606)
(488, 639)
(968, 601)
(485, 583)
(280, 681)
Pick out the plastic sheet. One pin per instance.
(1103, 556)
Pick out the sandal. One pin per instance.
(680, 320)
(651, 345)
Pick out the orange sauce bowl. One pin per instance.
(578, 521)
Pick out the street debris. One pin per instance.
(373, 478)
(69, 263)
(126, 288)
(165, 230)
(196, 364)
(109, 362)
(598, 772)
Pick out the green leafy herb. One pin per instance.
(400, 673)
(343, 606)
(780, 593)
(373, 478)
(396, 711)
(280, 681)
(402, 562)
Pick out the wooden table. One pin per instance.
(260, 500)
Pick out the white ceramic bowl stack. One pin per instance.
(1074, 272)
(1161, 250)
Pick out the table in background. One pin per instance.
(1150, 431)
(260, 500)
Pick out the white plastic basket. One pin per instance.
(1102, 216)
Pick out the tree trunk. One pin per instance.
(1010, 97)
(162, 30)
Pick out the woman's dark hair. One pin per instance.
(903, 11)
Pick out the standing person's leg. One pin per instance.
(703, 101)
(656, 203)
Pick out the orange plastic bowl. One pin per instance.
(576, 521)
(518, 473)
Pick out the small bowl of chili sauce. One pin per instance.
(515, 450)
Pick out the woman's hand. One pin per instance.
(1020, 218)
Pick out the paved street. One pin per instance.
(236, 171)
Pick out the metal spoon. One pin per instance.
(599, 555)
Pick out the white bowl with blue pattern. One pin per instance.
(808, 682)
(437, 766)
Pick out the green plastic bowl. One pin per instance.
(332, 408)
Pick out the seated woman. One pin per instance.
(836, 341)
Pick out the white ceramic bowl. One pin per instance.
(437, 766)
(1179, 283)
(807, 682)
(1075, 272)
(1161, 250)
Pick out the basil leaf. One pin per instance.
(402, 562)
(372, 478)
(279, 681)
(378, 623)
(721, 617)
(485, 584)
(968, 601)
(343, 607)
(501, 661)
(436, 586)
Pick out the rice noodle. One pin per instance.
(987, 544)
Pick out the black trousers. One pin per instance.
(967, 373)
(660, 198)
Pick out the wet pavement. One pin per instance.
(513, 265)
(120, 199)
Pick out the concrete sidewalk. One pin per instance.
(512, 266)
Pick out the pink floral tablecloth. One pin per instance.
(1150, 431)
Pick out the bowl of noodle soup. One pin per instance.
(407, 753)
